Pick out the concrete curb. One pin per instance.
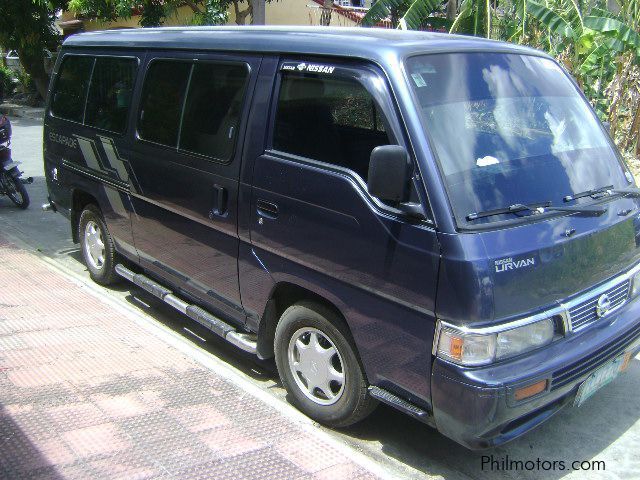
(22, 111)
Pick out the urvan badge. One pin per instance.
(506, 264)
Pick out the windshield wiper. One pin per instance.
(515, 208)
(537, 209)
(605, 192)
(589, 193)
(633, 192)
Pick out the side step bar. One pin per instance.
(393, 400)
(244, 341)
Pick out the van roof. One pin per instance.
(375, 44)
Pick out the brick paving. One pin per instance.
(88, 393)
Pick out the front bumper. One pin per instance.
(476, 406)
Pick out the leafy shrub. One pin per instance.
(25, 82)
(7, 82)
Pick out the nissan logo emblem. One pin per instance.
(603, 305)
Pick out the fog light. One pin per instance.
(531, 390)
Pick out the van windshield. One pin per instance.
(509, 129)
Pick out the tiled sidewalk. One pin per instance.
(88, 393)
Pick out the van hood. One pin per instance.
(513, 272)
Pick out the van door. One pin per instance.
(186, 163)
(314, 224)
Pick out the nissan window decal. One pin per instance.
(307, 67)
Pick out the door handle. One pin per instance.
(267, 209)
(220, 196)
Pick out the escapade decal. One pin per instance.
(63, 140)
(307, 67)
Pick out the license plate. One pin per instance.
(601, 377)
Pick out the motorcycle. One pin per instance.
(11, 183)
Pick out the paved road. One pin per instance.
(606, 428)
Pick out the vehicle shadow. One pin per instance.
(263, 371)
(19, 457)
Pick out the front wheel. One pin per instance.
(319, 367)
(15, 190)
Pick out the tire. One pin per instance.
(16, 191)
(351, 401)
(98, 251)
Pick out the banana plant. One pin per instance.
(475, 18)
(406, 14)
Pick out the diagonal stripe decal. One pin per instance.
(114, 159)
(110, 162)
(92, 158)
(88, 149)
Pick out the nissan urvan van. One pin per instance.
(436, 222)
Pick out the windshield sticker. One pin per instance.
(307, 67)
(418, 80)
(506, 264)
(486, 161)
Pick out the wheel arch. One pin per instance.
(79, 200)
(283, 295)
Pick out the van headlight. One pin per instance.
(472, 348)
(635, 284)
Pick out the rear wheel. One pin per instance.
(98, 251)
(15, 190)
(319, 367)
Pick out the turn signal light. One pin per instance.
(456, 347)
(530, 390)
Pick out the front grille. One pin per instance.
(586, 365)
(584, 313)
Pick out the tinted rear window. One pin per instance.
(212, 111)
(110, 93)
(162, 100)
(70, 90)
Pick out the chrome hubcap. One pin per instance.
(94, 245)
(316, 366)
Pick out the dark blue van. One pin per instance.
(440, 223)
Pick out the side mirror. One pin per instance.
(389, 173)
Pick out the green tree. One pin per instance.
(153, 13)
(27, 26)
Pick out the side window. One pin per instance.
(70, 90)
(331, 119)
(213, 107)
(110, 93)
(162, 99)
